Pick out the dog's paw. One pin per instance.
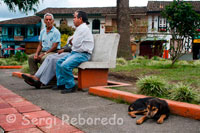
(159, 121)
(139, 122)
(132, 114)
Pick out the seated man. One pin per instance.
(82, 47)
(49, 43)
(48, 68)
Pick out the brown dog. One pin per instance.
(150, 107)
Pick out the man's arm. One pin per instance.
(53, 48)
(39, 48)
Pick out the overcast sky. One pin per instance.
(6, 14)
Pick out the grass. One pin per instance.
(187, 72)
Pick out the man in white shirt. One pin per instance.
(82, 47)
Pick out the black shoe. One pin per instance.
(71, 90)
(31, 81)
(59, 87)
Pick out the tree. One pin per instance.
(123, 27)
(23, 5)
(183, 24)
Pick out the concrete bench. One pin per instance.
(95, 71)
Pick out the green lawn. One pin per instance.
(182, 71)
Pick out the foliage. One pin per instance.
(121, 61)
(152, 86)
(64, 38)
(182, 92)
(23, 5)
(25, 68)
(20, 56)
(65, 29)
(18, 59)
(183, 24)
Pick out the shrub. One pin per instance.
(14, 63)
(121, 62)
(20, 56)
(64, 38)
(157, 58)
(25, 68)
(183, 93)
(196, 62)
(182, 62)
(152, 85)
(2, 62)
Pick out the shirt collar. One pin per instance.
(52, 29)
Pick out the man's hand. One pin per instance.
(40, 56)
(36, 57)
(60, 51)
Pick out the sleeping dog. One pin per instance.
(150, 107)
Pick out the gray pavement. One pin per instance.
(93, 114)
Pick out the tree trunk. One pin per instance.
(123, 27)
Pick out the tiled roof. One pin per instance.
(157, 6)
(92, 10)
(138, 10)
(23, 21)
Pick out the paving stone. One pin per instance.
(60, 128)
(8, 111)
(36, 114)
(46, 121)
(14, 100)
(28, 130)
(7, 96)
(4, 105)
(14, 122)
(1, 100)
(22, 103)
(28, 108)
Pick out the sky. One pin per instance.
(5, 14)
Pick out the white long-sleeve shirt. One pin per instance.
(83, 40)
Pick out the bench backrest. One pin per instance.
(105, 50)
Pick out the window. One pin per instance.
(4, 31)
(17, 31)
(96, 26)
(152, 23)
(11, 32)
(162, 22)
(162, 25)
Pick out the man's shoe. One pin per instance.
(37, 84)
(31, 81)
(58, 87)
(71, 90)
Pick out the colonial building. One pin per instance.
(17, 32)
(157, 27)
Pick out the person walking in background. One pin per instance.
(82, 47)
(49, 43)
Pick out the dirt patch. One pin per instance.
(124, 78)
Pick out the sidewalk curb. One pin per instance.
(10, 67)
(178, 108)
